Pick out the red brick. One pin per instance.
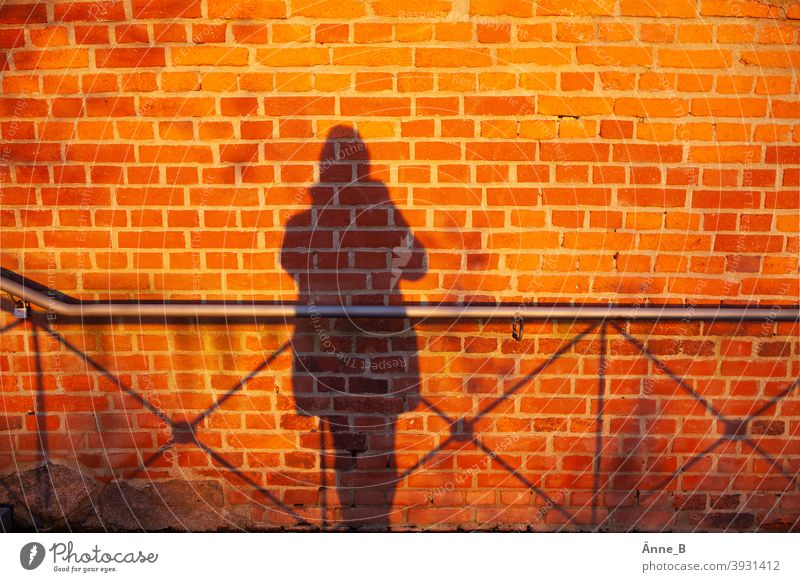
(32, 13)
(52, 59)
(246, 9)
(665, 8)
(376, 106)
(163, 9)
(326, 8)
(130, 57)
(607, 56)
(661, 154)
(451, 57)
(536, 56)
(576, 8)
(104, 10)
(511, 105)
(589, 152)
(695, 59)
(210, 56)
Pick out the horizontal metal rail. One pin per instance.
(52, 302)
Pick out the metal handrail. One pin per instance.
(51, 301)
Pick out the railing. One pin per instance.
(462, 428)
(54, 302)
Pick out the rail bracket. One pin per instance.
(21, 308)
(518, 327)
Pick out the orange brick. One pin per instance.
(287, 33)
(491, 33)
(534, 32)
(250, 33)
(651, 107)
(500, 8)
(207, 55)
(170, 107)
(737, 8)
(52, 59)
(721, 154)
(130, 57)
(89, 11)
(695, 59)
(607, 56)
(732, 107)
(327, 8)
(535, 56)
(576, 8)
(293, 57)
(436, 8)
(246, 9)
(370, 56)
(511, 105)
(665, 8)
(376, 106)
(23, 13)
(574, 106)
(451, 57)
(51, 36)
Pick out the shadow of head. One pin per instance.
(352, 244)
(344, 157)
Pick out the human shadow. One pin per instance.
(352, 246)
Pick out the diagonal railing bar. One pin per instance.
(531, 375)
(667, 370)
(189, 427)
(598, 438)
(774, 400)
(424, 459)
(775, 463)
(186, 429)
(162, 415)
(239, 385)
(225, 463)
(521, 478)
(438, 411)
(109, 376)
(719, 415)
(469, 422)
(690, 463)
(11, 325)
(151, 459)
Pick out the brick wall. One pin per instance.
(626, 151)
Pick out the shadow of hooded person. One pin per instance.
(352, 246)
